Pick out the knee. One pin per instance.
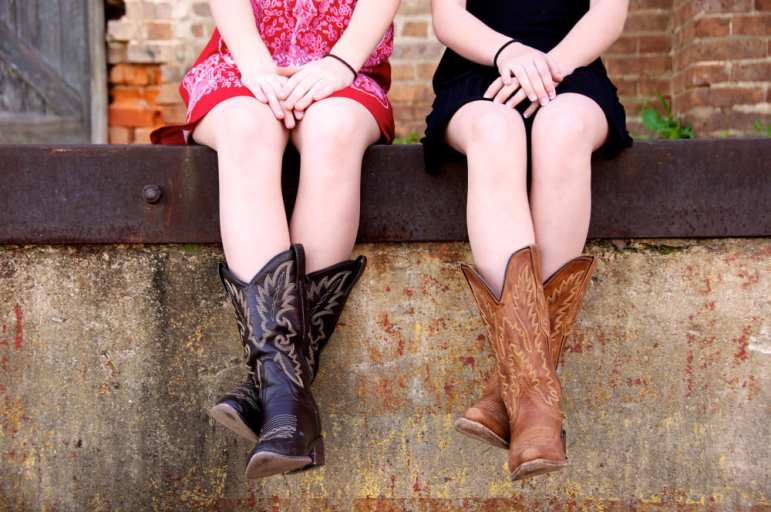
(496, 128)
(560, 131)
(247, 130)
(330, 131)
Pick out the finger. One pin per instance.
(525, 81)
(556, 72)
(289, 120)
(506, 91)
(537, 83)
(290, 85)
(302, 89)
(529, 111)
(288, 71)
(258, 93)
(508, 74)
(311, 96)
(323, 91)
(299, 114)
(273, 101)
(516, 99)
(543, 70)
(493, 89)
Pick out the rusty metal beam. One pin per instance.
(99, 194)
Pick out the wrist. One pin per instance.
(257, 66)
(340, 60)
(560, 63)
(503, 50)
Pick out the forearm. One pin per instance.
(464, 33)
(594, 33)
(369, 21)
(237, 26)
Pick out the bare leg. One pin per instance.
(250, 144)
(493, 139)
(331, 139)
(565, 133)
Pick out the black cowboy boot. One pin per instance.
(272, 317)
(327, 291)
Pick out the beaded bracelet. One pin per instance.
(339, 59)
(500, 50)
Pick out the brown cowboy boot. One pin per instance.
(486, 420)
(518, 325)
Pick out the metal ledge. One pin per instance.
(94, 194)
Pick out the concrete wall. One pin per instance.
(110, 356)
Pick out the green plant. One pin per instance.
(411, 138)
(665, 126)
(762, 128)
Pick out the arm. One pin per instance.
(519, 65)
(464, 33)
(369, 21)
(317, 80)
(590, 37)
(238, 28)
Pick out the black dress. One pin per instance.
(541, 25)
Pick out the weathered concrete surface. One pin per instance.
(109, 357)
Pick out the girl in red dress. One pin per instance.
(316, 73)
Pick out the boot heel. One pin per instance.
(317, 453)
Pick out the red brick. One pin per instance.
(647, 22)
(763, 5)
(726, 5)
(706, 74)
(135, 74)
(402, 71)
(624, 45)
(638, 5)
(712, 26)
(159, 30)
(655, 44)
(131, 93)
(751, 71)
(728, 49)
(173, 114)
(134, 115)
(415, 29)
(425, 70)
(720, 97)
(752, 25)
(639, 65)
(121, 135)
(653, 86)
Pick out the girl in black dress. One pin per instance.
(521, 92)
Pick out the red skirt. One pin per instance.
(215, 77)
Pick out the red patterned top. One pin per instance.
(295, 32)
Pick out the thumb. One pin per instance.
(556, 72)
(287, 71)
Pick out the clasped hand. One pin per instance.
(525, 73)
(289, 91)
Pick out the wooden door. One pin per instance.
(52, 71)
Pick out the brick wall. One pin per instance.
(710, 58)
(722, 69)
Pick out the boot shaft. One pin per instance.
(518, 326)
(327, 293)
(271, 313)
(564, 292)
